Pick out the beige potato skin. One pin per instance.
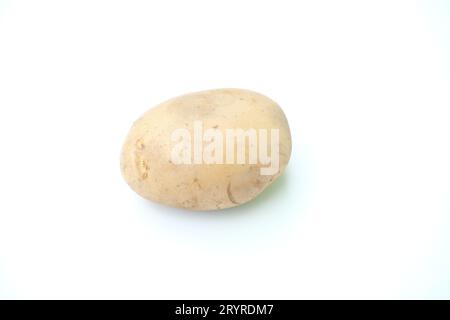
(146, 155)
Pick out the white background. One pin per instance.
(362, 211)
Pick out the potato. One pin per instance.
(207, 150)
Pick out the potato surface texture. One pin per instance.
(207, 173)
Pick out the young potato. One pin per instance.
(207, 150)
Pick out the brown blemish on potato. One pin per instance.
(230, 195)
(197, 183)
(142, 167)
(258, 183)
(139, 144)
(190, 203)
